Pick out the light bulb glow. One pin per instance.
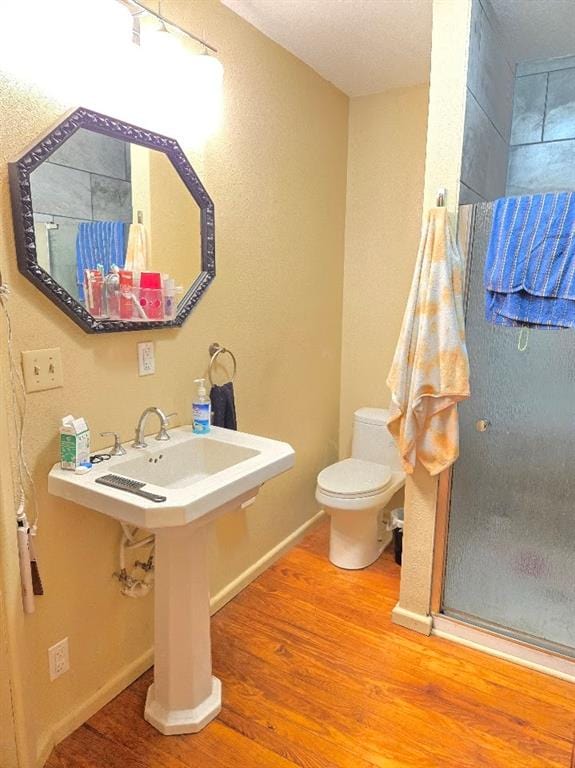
(183, 89)
(204, 97)
(79, 52)
(65, 46)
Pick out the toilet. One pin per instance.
(353, 492)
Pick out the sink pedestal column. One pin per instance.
(184, 696)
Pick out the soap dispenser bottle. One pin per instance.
(201, 408)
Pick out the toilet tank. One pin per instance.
(372, 440)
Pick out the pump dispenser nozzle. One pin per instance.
(201, 387)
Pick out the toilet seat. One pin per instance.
(354, 540)
(353, 479)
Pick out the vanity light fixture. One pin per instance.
(163, 53)
(206, 80)
(169, 45)
(139, 9)
(210, 68)
(167, 66)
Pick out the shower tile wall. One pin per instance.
(487, 128)
(542, 154)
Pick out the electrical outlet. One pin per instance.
(146, 358)
(59, 659)
(42, 369)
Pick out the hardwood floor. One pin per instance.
(315, 675)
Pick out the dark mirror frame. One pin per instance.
(20, 171)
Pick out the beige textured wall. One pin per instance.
(450, 45)
(447, 94)
(170, 215)
(174, 224)
(386, 157)
(277, 175)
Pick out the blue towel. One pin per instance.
(98, 242)
(530, 267)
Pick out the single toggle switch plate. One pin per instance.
(42, 369)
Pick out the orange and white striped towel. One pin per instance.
(430, 370)
(137, 256)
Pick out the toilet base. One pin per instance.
(354, 537)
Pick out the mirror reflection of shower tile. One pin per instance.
(61, 191)
(94, 152)
(528, 109)
(560, 116)
(111, 199)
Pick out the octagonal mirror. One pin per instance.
(113, 224)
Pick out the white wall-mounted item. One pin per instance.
(42, 369)
(146, 358)
(59, 658)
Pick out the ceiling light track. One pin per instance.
(142, 9)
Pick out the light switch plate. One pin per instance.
(146, 358)
(42, 369)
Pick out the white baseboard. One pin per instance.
(44, 752)
(235, 587)
(102, 696)
(132, 671)
(419, 622)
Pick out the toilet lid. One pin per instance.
(354, 477)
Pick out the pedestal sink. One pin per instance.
(202, 477)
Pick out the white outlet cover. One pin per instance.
(146, 358)
(59, 659)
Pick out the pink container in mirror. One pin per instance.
(151, 299)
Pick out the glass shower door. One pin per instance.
(510, 563)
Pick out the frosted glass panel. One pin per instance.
(511, 542)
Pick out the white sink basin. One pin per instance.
(201, 476)
(183, 463)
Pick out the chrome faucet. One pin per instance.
(139, 441)
(118, 449)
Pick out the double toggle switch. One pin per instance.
(42, 369)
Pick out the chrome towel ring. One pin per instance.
(215, 350)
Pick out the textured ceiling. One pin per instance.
(367, 46)
(537, 29)
(361, 46)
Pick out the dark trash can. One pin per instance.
(396, 526)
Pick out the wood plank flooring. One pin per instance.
(315, 675)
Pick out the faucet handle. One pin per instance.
(118, 449)
(163, 434)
